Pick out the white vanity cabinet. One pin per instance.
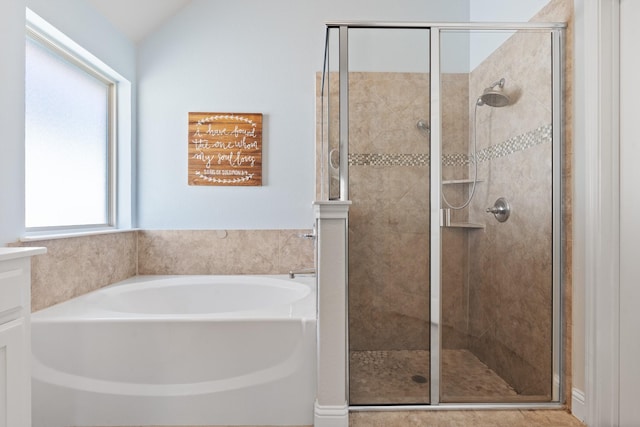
(15, 340)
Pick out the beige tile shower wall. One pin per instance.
(454, 247)
(510, 275)
(510, 271)
(389, 219)
(223, 252)
(389, 216)
(77, 265)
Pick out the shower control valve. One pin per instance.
(500, 209)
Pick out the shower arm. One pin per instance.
(499, 83)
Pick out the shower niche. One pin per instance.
(423, 128)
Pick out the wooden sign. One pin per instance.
(225, 149)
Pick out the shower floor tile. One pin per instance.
(377, 377)
(401, 377)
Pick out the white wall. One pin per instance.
(12, 23)
(244, 56)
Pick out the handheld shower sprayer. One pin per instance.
(493, 96)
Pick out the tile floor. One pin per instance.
(517, 418)
(537, 418)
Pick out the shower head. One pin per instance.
(423, 126)
(493, 96)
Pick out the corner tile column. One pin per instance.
(331, 406)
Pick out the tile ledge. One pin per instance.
(67, 235)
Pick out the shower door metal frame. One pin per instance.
(435, 176)
(556, 31)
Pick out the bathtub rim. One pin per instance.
(83, 308)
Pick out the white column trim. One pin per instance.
(578, 407)
(599, 207)
(334, 209)
(629, 409)
(331, 416)
(331, 408)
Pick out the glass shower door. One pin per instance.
(497, 281)
(389, 216)
(447, 141)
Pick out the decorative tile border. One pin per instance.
(541, 135)
(538, 136)
(389, 159)
(455, 159)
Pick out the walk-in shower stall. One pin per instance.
(447, 140)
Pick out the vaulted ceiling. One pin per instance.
(138, 18)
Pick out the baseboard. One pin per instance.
(331, 416)
(578, 404)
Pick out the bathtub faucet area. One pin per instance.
(310, 236)
(294, 272)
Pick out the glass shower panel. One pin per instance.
(497, 279)
(389, 216)
(327, 125)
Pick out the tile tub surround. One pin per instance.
(76, 265)
(223, 251)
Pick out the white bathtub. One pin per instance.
(178, 350)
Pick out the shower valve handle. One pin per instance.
(500, 209)
(496, 209)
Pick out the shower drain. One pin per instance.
(419, 379)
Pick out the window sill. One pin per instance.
(35, 237)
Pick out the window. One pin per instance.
(69, 139)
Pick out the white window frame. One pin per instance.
(120, 189)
